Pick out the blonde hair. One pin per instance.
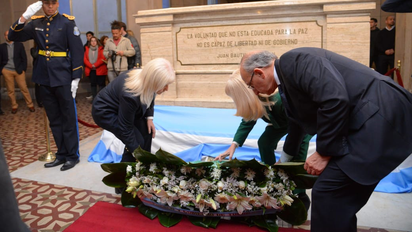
(248, 105)
(154, 76)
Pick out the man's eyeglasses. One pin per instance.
(249, 85)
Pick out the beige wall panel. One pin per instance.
(202, 86)
(350, 38)
(156, 44)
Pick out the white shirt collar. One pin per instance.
(275, 74)
(390, 29)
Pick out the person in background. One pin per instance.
(13, 65)
(34, 52)
(385, 46)
(116, 50)
(361, 119)
(133, 61)
(270, 109)
(89, 35)
(57, 70)
(125, 107)
(372, 50)
(103, 40)
(95, 65)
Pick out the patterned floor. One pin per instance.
(43, 206)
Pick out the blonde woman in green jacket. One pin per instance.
(251, 107)
(270, 109)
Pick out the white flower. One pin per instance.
(269, 173)
(204, 184)
(279, 186)
(175, 189)
(220, 185)
(242, 184)
(167, 197)
(264, 190)
(255, 202)
(222, 198)
(138, 166)
(250, 174)
(186, 196)
(153, 167)
(134, 182)
(286, 200)
(147, 180)
(216, 173)
(236, 172)
(129, 168)
(268, 201)
(182, 184)
(185, 169)
(200, 171)
(239, 203)
(164, 181)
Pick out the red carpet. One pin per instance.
(105, 216)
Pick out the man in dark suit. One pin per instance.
(362, 120)
(13, 64)
(57, 70)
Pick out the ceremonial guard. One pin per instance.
(57, 70)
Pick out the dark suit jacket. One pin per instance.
(361, 118)
(20, 58)
(120, 112)
(399, 6)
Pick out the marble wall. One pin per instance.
(206, 43)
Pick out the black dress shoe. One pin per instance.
(69, 164)
(55, 163)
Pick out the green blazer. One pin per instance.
(277, 119)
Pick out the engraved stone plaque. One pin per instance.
(226, 44)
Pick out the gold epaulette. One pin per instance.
(70, 17)
(37, 17)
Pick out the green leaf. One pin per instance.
(205, 222)
(169, 219)
(295, 214)
(169, 158)
(214, 222)
(116, 167)
(304, 181)
(292, 168)
(254, 164)
(200, 164)
(129, 201)
(234, 163)
(148, 212)
(145, 156)
(116, 180)
(267, 221)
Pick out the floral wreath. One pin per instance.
(167, 187)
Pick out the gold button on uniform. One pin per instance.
(47, 59)
(47, 35)
(47, 40)
(47, 47)
(47, 29)
(48, 24)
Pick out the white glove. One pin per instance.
(32, 9)
(284, 157)
(75, 84)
